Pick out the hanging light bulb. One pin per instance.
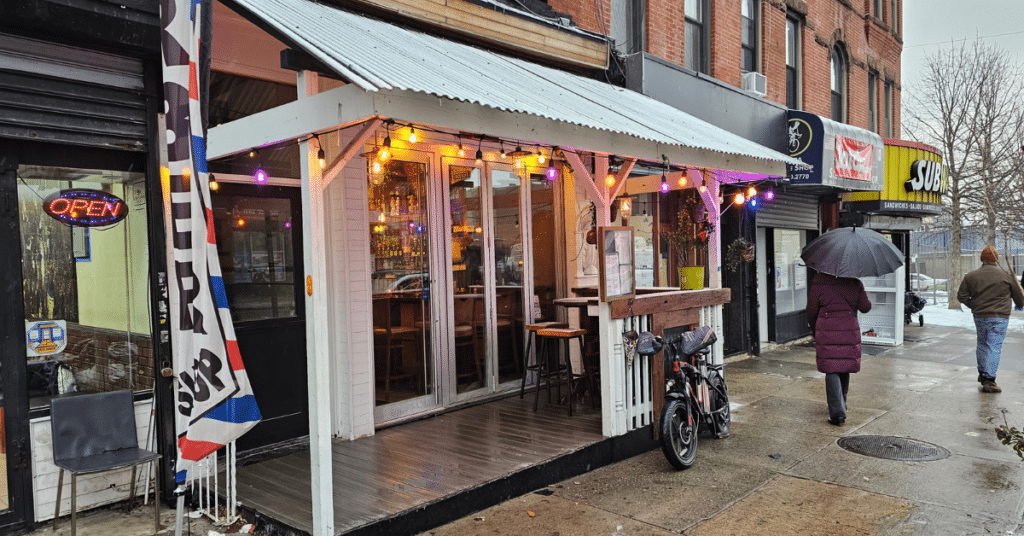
(540, 157)
(703, 185)
(739, 198)
(376, 167)
(260, 176)
(626, 206)
(664, 184)
(462, 152)
(751, 192)
(385, 150)
(552, 173)
(503, 155)
(412, 134)
(682, 180)
(753, 203)
(214, 185)
(721, 199)
(320, 156)
(610, 180)
(769, 195)
(480, 152)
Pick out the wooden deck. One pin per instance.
(416, 476)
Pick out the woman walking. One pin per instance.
(832, 305)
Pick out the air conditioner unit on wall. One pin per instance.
(755, 83)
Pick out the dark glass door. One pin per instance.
(15, 467)
(259, 240)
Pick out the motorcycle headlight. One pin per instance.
(669, 384)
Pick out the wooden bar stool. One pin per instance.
(531, 331)
(561, 334)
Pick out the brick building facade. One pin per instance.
(872, 41)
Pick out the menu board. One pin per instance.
(616, 266)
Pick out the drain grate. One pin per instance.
(893, 448)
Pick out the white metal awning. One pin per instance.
(389, 61)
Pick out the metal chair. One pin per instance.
(94, 433)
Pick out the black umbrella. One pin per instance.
(852, 252)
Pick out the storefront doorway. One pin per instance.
(15, 469)
(259, 241)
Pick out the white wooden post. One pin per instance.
(613, 374)
(318, 364)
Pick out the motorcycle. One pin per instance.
(696, 396)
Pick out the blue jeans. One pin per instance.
(991, 332)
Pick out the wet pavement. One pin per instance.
(782, 472)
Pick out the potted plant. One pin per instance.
(689, 240)
(739, 251)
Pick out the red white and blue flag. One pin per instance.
(215, 403)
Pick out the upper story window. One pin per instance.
(627, 25)
(749, 18)
(838, 84)
(894, 16)
(878, 9)
(889, 128)
(697, 44)
(792, 63)
(873, 101)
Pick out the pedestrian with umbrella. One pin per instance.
(987, 292)
(840, 256)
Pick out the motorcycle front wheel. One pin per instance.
(678, 427)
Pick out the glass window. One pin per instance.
(878, 10)
(894, 17)
(838, 84)
(888, 110)
(790, 272)
(696, 50)
(255, 242)
(749, 18)
(873, 101)
(792, 66)
(86, 289)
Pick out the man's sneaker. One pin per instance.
(990, 387)
(981, 378)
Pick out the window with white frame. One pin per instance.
(838, 83)
(792, 63)
(696, 44)
(889, 128)
(873, 101)
(749, 16)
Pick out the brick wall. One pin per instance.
(869, 42)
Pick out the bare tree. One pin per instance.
(969, 105)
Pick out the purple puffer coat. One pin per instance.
(832, 305)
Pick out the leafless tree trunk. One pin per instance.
(969, 105)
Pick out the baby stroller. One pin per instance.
(912, 304)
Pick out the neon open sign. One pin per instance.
(87, 208)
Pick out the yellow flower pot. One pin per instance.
(691, 278)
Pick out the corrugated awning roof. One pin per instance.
(378, 56)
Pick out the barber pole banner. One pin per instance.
(215, 403)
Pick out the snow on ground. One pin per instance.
(939, 314)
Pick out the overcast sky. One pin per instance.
(931, 25)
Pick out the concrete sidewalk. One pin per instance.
(782, 472)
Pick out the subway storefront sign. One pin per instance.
(915, 180)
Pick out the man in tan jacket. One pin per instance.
(987, 292)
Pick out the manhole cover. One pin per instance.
(894, 448)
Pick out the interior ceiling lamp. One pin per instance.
(626, 205)
(385, 150)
